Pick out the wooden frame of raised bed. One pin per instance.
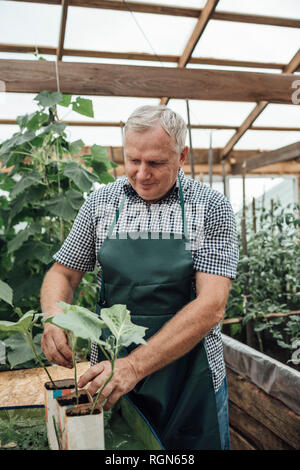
(264, 400)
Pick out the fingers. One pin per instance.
(55, 346)
(90, 374)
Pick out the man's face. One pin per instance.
(152, 162)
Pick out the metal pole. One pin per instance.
(190, 137)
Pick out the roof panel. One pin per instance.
(241, 41)
(269, 140)
(29, 23)
(286, 9)
(120, 31)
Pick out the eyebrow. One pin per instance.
(149, 161)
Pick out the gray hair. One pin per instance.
(146, 117)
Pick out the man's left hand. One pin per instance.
(123, 380)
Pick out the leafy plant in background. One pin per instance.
(44, 184)
(268, 278)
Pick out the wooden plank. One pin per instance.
(193, 126)
(62, 32)
(268, 411)
(143, 56)
(258, 435)
(284, 154)
(238, 442)
(25, 76)
(175, 11)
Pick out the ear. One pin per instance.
(183, 156)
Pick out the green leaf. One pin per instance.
(29, 179)
(79, 320)
(19, 350)
(66, 100)
(6, 293)
(61, 206)
(17, 139)
(83, 106)
(117, 319)
(76, 199)
(55, 127)
(99, 153)
(22, 325)
(46, 99)
(75, 147)
(81, 177)
(106, 178)
(22, 236)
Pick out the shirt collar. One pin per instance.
(128, 189)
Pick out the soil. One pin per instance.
(83, 410)
(60, 384)
(70, 399)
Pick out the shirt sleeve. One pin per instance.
(78, 250)
(217, 251)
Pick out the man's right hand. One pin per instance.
(56, 347)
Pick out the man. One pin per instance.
(167, 248)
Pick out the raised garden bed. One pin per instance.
(264, 400)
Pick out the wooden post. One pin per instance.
(190, 137)
(254, 215)
(249, 324)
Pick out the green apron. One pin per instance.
(152, 274)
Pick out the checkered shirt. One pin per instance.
(210, 223)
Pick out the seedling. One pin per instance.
(79, 322)
(25, 326)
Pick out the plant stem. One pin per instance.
(31, 343)
(73, 343)
(104, 385)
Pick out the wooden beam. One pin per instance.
(25, 76)
(143, 56)
(290, 68)
(284, 154)
(62, 32)
(200, 26)
(175, 11)
(12, 122)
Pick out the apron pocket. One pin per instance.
(159, 298)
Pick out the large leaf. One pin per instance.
(75, 147)
(46, 99)
(83, 106)
(22, 325)
(66, 100)
(16, 139)
(117, 319)
(30, 179)
(6, 293)
(81, 177)
(19, 350)
(79, 320)
(61, 206)
(22, 236)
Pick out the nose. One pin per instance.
(143, 173)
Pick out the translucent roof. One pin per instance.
(93, 29)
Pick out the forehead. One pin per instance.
(155, 138)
